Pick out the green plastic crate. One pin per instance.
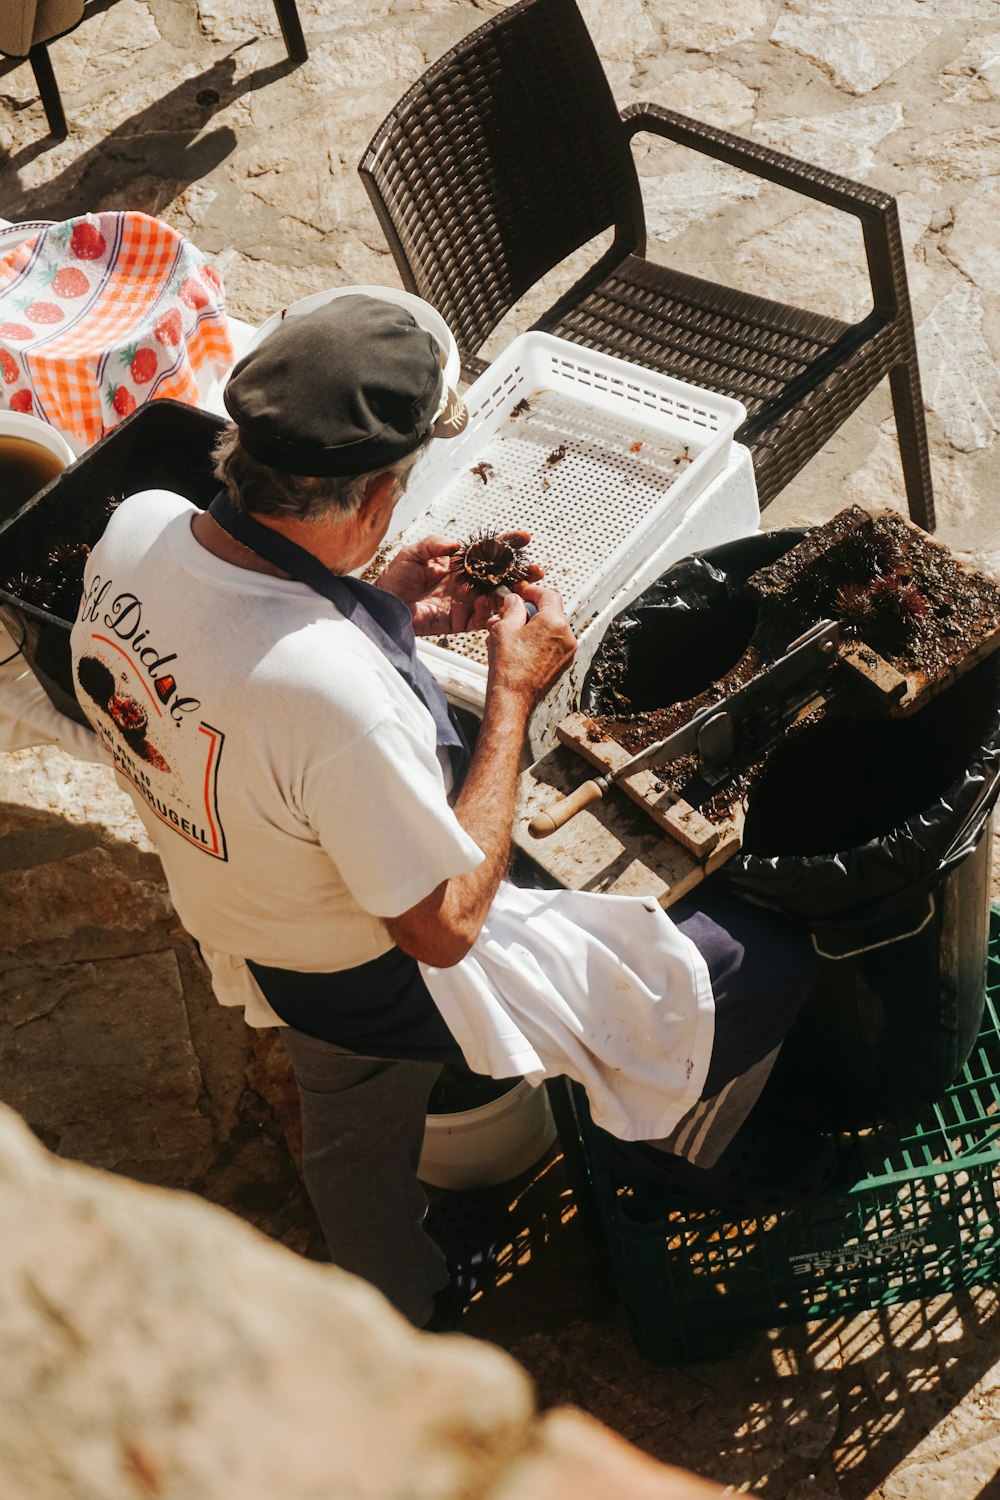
(923, 1218)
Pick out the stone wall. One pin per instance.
(155, 1346)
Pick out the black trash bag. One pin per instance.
(899, 921)
(684, 632)
(940, 773)
(863, 833)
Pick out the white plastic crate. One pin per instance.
(725, 509)
(601, 468)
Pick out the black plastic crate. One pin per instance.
(923, 1218)
(163, 445)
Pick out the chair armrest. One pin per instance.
(875, 209)
(763, 161)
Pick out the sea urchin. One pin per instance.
(488, 561)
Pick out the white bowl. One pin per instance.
(423, 314)
(18, 424)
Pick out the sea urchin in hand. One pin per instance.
(490, 560)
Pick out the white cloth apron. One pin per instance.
(603, 989)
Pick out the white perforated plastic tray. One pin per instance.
(600, 466)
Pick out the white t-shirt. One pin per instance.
(287, 774)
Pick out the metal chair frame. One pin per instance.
(510, 153)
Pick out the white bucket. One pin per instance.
(481, 1147)
(422, 313)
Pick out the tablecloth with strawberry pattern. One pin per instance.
(103, 312)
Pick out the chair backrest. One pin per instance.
(503, 158)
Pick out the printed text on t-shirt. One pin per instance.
(122, 615)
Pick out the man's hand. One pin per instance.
(527, 656)
(439, 601)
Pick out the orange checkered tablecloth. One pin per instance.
(103, 312)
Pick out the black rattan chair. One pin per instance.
(510, 153)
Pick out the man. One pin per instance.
(327, 837)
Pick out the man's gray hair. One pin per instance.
(253, 486)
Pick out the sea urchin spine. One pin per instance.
(893, 595)
(852, 603)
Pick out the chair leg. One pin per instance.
(560, 1092)
(291, 30)
(904, 383)
(561, 1104)
(41, 66)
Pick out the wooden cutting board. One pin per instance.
(943, 584)
(635, 841)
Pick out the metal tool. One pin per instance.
(502, 591)
(711, 734)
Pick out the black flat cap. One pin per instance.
(346, 389)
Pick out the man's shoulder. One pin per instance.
(326, 655)
(138, 523)
(147, 511)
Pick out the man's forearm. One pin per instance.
(525, 660)
(441, 929)
(485, 805)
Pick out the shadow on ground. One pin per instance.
(842, 1403)
(122, 164)
(113, 1048)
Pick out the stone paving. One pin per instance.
(110, 1044)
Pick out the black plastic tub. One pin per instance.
(163, 445)
(888, 873)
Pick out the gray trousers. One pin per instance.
(362, 1128)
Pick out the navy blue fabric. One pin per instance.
(383, 618)
(379, 1009)
(762, 968)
